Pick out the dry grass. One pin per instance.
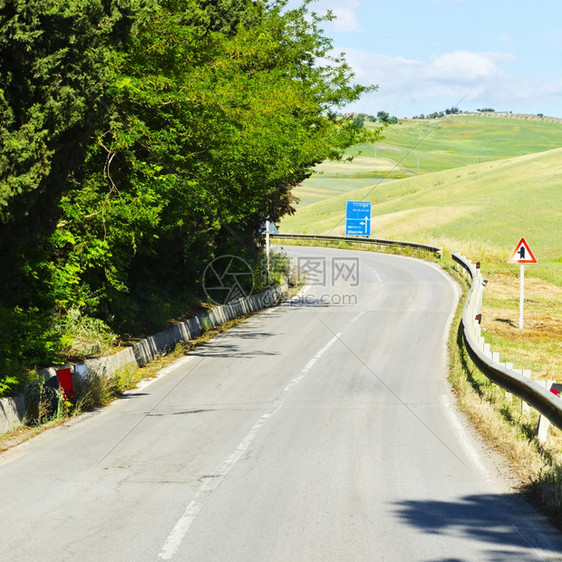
(358, 164)
(18, 436)
(499, 418)
(401, 224)
(538, 346)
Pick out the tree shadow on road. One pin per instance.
(228, 351)
(483, 518)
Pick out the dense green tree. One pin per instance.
(140, 138)
(209, 131)
(386, 118)
(52, 64)
(53, 59)
(383, 116)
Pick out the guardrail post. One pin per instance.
(479, 292)
(525, 408)
(508, 394)
(544, 422)
(542, 430)
(477, 332)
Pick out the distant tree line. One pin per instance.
(451, 111)
(382, 117)
(142, 138)
(438, 114)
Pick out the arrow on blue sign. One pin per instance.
(358, 218)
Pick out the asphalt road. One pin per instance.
(321, 430)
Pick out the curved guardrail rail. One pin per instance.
(376, 241)
(516, 382)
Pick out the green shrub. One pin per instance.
(83, 336)
(27, 340)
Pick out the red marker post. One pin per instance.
(65, 383)
(522, 255)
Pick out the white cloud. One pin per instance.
(415, 86)
(458, 68)
(464, 67)
(346, 20)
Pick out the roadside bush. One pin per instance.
(548, 485)
(279, 270)
(44, 403)
(27, 340)
(83, 336)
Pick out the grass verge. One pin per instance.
(538, 345)
(345, 245)
(500, 419)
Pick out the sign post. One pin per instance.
(522, 255)
(358, 218)
(521, 294)
(267, 247)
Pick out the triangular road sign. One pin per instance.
(522, 253)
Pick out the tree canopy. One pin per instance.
(142, 138)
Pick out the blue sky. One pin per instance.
(428, 55)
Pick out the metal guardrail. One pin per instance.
(358, 240)
(516, 382)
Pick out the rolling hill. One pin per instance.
(480, 208)
(414, 147)
(488, 205)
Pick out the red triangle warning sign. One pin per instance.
(522, 253)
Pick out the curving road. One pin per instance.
(321, 430)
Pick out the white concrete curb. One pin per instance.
(12, 410)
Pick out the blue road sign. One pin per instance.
(358, 218)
